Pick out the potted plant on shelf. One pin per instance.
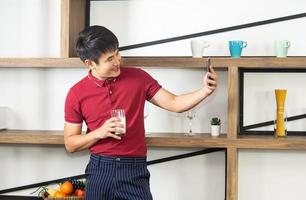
(215, 124)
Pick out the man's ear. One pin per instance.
(90, 64)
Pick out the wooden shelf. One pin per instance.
(270, 142)
(31, 137)
(166, 140)
(177, 62)
(153, 139)
(181, 140)
(41, 62)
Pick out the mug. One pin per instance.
(235, 47)
(281, 48)
(197, 47)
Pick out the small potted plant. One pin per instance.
(215, 126)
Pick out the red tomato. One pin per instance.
(79, 193)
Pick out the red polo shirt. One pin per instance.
(92, 100)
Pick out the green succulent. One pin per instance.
(215, 121)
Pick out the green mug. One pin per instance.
(281, 48)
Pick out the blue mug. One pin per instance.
(235, 47)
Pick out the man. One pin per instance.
(117, 167)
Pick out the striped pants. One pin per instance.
(117, 178)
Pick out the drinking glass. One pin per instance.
(119, 113)
(190, 116)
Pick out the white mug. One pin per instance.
(197, 47)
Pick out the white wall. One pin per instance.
(142, 21)
(35, 97)
(30, 28)
(35, 100)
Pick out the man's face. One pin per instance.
(109, 65)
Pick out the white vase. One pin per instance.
(215, 130)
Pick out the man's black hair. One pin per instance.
(94, 41)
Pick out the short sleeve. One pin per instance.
(151, 86)
(72, 109)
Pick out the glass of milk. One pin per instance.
(119, 113)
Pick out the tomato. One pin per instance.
(79, 192)
(66, 187)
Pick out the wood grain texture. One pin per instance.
(181, 140)
(219, 62)
(72, 22)
(167, 140)
(171, 62)
(152, 139)
(41, 62)
(232, 170)
(262, 62)
(177, 62)
(270, 142)
(233, 101)
(32, 137)
(65, 12)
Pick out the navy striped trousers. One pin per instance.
(117, 178)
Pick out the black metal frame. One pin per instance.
(244, 130)
(87, 13)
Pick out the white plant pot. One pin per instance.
(215, 130)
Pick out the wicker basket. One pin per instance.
(62, 198)
(65, 198)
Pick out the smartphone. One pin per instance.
(208, 63)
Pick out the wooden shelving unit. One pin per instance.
(73, 20)
(230, 141)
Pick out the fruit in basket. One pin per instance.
(79, 192)
(78, 184)
(51, 192)
(59, 194)
(66, 187)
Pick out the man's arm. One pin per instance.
(75, 141)
(184, 102)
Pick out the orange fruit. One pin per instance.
(66, 187)
(59, 194)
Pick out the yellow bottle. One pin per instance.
(280, 95)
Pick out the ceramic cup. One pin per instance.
(235, 47)
(197, 47)
(281, 48)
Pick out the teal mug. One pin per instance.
(235, 47)
(281, 48)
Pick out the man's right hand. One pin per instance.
(110, 128)
(76, 141)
